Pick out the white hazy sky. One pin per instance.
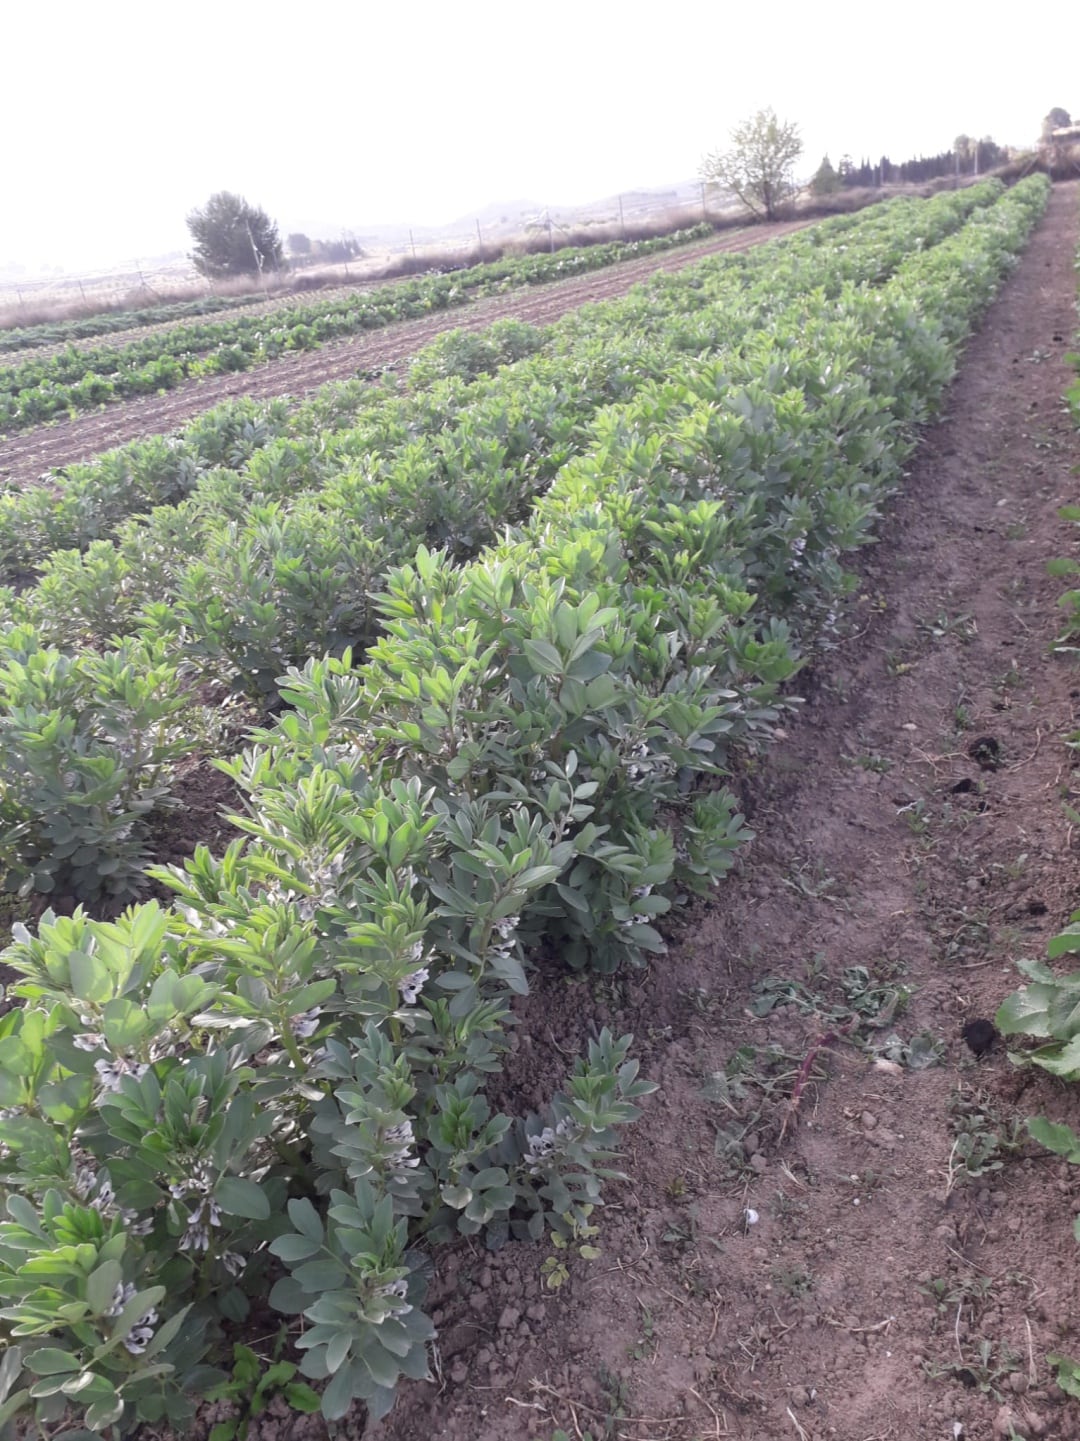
(119, 117)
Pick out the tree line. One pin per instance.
(964, 157)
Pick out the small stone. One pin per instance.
(1018, 1382)
(758, 1163)
(459, 1373)
(537, 1311)
(869, 1120)
(484, 1356)
(889, 1068)
(486, 1278)
(478, 1301)
(751, 1144)
(576, 1343)
(509, 1318)
(1013, 1224)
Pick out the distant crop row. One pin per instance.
(39, 390)
(281, 559)
(63, 332)
(275, 1090)
(581, 366)
(568, 261)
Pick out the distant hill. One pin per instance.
(509, 217)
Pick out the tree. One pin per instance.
(298, 243)
(825, 181)
(1057, 119)
(759, 166)
(233, 238)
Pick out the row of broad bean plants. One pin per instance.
(490, 275)
(1046, 1009)
(73, 379)
(277, 1086)
(237, 583)
(95, 497)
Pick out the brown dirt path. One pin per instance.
(883, 844)
(25, 457)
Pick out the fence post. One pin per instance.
(622, 222)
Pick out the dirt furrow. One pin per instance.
(835, 1270)
(25, 457)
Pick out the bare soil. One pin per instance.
(881, 1291)
(25, 457)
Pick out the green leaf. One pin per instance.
(306, 1219)
(300, 1397)
(242, 1198)
(125, 1025)
(1026, 1011)
(1060, 1139)
(101, 1285)
(13, 1405)
(105, 1411)
(165, 1333)
(456, 1196)
(1068, 1373)
(90, 980)
(337, 1398)
(382, 1366)
(1059, 1060)
(542, 657)
(325, 1274)
(51, 1361)
(292, 1248)
(288, 1296)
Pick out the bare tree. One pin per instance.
(759, 165)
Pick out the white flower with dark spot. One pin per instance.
(121, 1296)
(142, 1333)
(233, 1262)
(196, 1237)
(132, 1223)
(111, 1073)
(398, 1290)
(88, 1041)
(401, 1136)
(411, 985)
